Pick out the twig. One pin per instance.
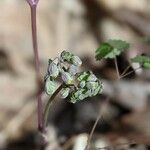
(130, 72)
(94, 126)
(92, 131)
(126, 69)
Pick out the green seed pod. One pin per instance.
(82, 84)
(79, 94)
(50, 86)
(92, 85)
(82, 76)
(66, 56)
(76, 60)
(73, 69)
(65, 92)
(92, 77)
(53, 70)
(88, 93)
(67, 77)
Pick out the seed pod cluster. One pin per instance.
(89, 85)
(77, 86)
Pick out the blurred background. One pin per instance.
(78, 26)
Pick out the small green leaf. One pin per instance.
(103, 51)
(118, 44)
(111, 49)
(50, 86)
(143, 60)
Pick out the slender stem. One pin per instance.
(117, 69)
(37, 66)
(100, 116)
(49, 103)
(92, 131)
(130, 72)
(125, 70)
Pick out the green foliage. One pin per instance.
(77, 86)
(111, 49)
(143, 60)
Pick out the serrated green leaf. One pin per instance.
(144, 60)
(146, 65)
(103, 51)
(141, 59)
(118, 44)
(111, 49)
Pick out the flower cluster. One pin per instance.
(77, 86)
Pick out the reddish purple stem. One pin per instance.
(33, 4)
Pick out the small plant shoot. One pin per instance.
(113, 48)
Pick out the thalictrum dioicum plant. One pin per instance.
(75, 85)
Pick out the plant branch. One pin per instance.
(128, 73)
(125, 70)
(49, 103)
(92, 131)
(100, 116)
